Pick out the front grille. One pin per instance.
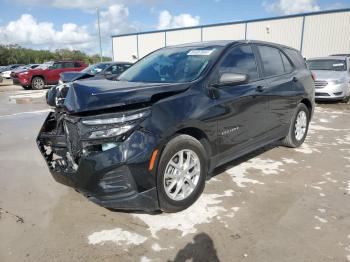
(322, 94)
(320, 83)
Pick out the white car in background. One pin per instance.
(332, 77)
(6, 74)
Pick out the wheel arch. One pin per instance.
(308, 104)
(41, 76)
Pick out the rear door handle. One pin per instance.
(260, 88)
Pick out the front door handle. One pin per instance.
(260, 88)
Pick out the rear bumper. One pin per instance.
(117, 178)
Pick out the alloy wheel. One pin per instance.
(182, 175)
(300, 125)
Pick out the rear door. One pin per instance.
(243, 106)
(281, 79)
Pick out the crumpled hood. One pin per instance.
(329, 75)
(72, 76)
(84, 96)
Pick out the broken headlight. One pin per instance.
(115, 131)
(113, 125)
(116, 120)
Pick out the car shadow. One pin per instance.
(201, 249)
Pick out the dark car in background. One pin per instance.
(105, 70)
(149, 140)
(46, 74)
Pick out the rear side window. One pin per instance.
(69, 65)
(240, 60)
(287, 65)
(76, 65)
(272, 61)
(296, 57)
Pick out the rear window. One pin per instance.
(272, 60)
(327, 64)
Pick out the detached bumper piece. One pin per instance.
(104, 176)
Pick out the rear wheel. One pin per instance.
(38, 83)
(181, 173)
(298, 128)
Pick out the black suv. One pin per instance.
(149, 140)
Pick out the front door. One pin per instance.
(242, 121)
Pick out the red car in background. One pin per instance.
(46, 74)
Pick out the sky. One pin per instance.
(52, 24)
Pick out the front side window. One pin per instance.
(327, 64)
(172, 65)
(240, 60)
(95, 69)
(272, 61)
(57, 66)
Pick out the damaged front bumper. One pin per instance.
(112, 172)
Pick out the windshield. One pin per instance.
(172, 65)
(329, 64)
(95, 69)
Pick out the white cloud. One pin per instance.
(115, 21)
(83, 4)
(167, 20)
(287, 7)
(28, 31)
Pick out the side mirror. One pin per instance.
(108, 73)
(231, 79)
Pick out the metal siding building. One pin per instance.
(315, 34)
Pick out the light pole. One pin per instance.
(99, 31)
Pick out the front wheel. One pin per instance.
(38, 83)
(298, 128)
(181, 173)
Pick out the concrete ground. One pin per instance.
(277, 204)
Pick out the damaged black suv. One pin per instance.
(149, 140)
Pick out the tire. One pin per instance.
(346, 99)
(191, 149)
(292, 139)
(38, 83)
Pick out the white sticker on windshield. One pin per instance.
(338, 64)
(201, 52)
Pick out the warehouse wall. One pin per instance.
(183, 36)
(281, 31)
(317, 34)
(124, 48)
(224, 32)
(150, 42)
(326, 34)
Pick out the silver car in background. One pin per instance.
(332, 77)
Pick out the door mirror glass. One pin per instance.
(232, 79)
